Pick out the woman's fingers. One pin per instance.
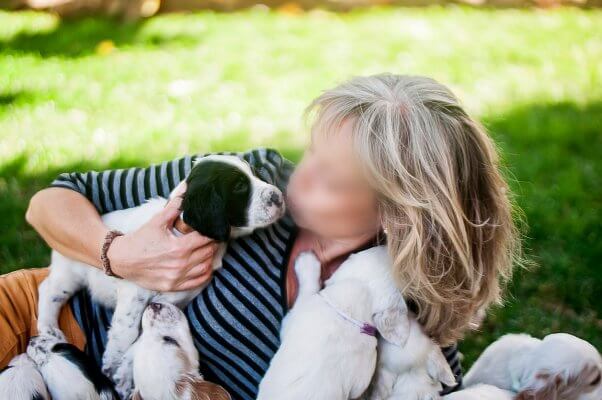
(194, 240)
(197, 276)
(168, 215)
(202, 254)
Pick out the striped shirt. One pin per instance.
(236, 320)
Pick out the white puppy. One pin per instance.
(328, 348)
(559, 367)
(481, 392)
(69, 373)
(413, 371)
(21, 380)
(222, 200)
(165, 361)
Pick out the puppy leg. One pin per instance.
(54, 292)
(124, 376)
(308, 270)
(382, 385)
(125, 327)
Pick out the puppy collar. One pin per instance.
(365, 328)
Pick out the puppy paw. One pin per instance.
(124, 384)
(54, 332)
(307, 267)
(40, 347)
(110, 364)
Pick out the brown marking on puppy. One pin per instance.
(558, 388)
(201, 389)
(136, 396)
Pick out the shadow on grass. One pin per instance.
(11, 99)
(78, 38)
(553, 154)
(20, 246)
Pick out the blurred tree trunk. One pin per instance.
(133, 9)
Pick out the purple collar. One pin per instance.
(365, 328)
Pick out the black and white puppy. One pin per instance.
(222, 199)
(165, 360)
(21, 380)
(69, 373)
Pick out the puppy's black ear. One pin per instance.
(205, 211)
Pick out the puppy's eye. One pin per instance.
(240, 186)
(596, 380)
(170, 340)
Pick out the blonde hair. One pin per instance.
(444, 204)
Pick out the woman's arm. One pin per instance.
(69, 223)
(67, 216)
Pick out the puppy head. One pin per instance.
(166, 330)
(224, 197)
(564, 368)
(166, 345)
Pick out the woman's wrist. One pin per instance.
(114, 254)
(104, 258)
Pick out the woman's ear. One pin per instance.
(393, 324)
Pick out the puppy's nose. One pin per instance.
(275, 199)
(156, 307)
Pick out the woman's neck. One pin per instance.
(328, 250)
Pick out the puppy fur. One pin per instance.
(481, 392)
(69, 373)
(559, 367)
(165, 360)
(21, 380)
(223, 199)
(413, 371)
(322, 355)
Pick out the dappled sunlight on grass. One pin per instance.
(96, 94)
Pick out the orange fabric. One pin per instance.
(19, 313)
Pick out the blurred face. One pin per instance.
(328, 193)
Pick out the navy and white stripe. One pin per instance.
(236, 320)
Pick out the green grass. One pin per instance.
(208, 81)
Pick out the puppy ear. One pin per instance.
(547, 388)
(136, 396)
(205, 211)
(202, 390)
(438, 368)
(393, 324)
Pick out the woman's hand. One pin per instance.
(154, 258)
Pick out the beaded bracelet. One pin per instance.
(106, 263)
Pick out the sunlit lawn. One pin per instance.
(99, 94)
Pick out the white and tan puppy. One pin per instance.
(21, 380)
(413, 371)
(165, 361)
(481, 392)
(559, 367)
(328, 350)
(222, 200)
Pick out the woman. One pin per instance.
(392, 158)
